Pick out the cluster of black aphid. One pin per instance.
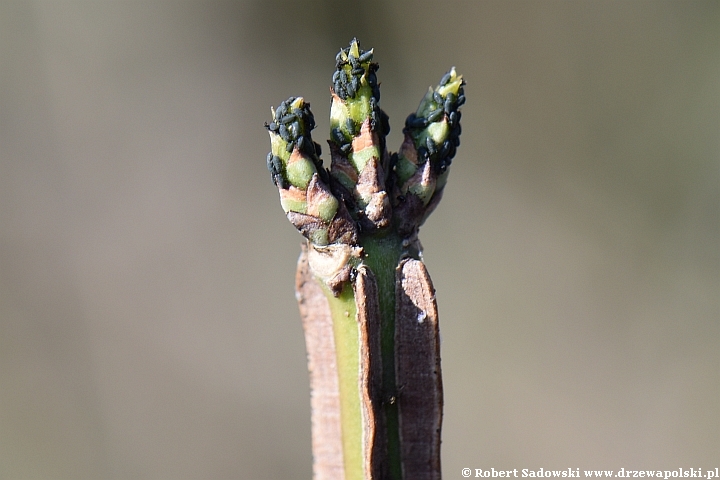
(340, 139)
(294, 125)
(440, 155)
(347, 85)
(347, 81)
(274, 164)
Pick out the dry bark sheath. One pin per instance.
(366, 299)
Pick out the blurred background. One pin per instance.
(148, 325)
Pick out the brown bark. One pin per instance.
(324, 389)
(374, 445)
(417, 370)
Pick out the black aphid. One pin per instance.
(274, 164)
(340, 91)
(422, 152)
(374, 120)
(444, 150)
(283, 132)
(435, 115)
(371, 79)
(366, 57)
(337, 136)
(418, 122)
(351, 89)
(445, 79)
(288, 118)
(409, 120)
(431, 146)
(308, 149)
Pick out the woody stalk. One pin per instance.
(366, 300)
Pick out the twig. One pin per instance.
(366, 299)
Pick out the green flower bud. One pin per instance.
(366, 189)
(302, 181)
(358, 128)
(431, 135)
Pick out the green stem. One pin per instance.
(347, 345)
(382, 255)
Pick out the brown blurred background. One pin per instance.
(148, 326)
